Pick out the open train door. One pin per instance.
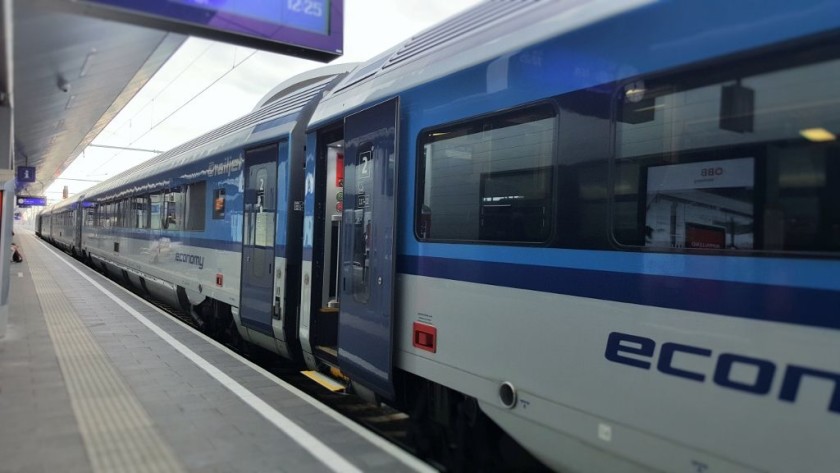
(365, 333)
(257, 280)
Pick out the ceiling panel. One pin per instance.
(72, 75)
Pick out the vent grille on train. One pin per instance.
(362, 73)
(457, 27)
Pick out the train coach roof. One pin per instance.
(477, 35)
(64, 203)
(47, 210)
(289, 101)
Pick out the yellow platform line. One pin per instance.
(117, 432)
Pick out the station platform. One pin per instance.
(94, 379)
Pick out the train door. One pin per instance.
(257, 280)
(79, 216)
(365, 333)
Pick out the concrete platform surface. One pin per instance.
(94, 379)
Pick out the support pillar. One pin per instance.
(7, 159)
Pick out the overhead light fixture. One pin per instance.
(70, 102)
(817, 134)
(635, 91)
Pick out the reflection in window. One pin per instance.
(706, 205)
(172, 209)
(218, 204)
(514, 205)
(489, 179)
(733, 164)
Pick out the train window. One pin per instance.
(747, 160)
(195, 198)
(219, 204)
(140, 212)
(119, 217)
(488, 179)
(583, 153)
(127, 213)
(90, 216)
(109, 215)
(155, 211)
(173, 203)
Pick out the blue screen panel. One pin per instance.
(308, 15)
(29, 201)
(312, 29)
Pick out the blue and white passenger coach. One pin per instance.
(610, 227)
(59, 224)
(613, 224)
(206, 226)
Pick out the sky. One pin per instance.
(206, 84)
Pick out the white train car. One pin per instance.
(608, 230)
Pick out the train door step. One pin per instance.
(325, 381)
(328, 351)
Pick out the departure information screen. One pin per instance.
(312, 29)
(308, 15)
(28, 201)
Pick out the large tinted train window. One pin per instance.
(489, 179)
(739, 158)
(195, 200)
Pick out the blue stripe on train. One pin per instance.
(182, 239)
(794, 305)
(814, 273)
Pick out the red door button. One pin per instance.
(425, 337)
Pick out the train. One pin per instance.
(606, 231)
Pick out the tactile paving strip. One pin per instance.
(117, 432)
